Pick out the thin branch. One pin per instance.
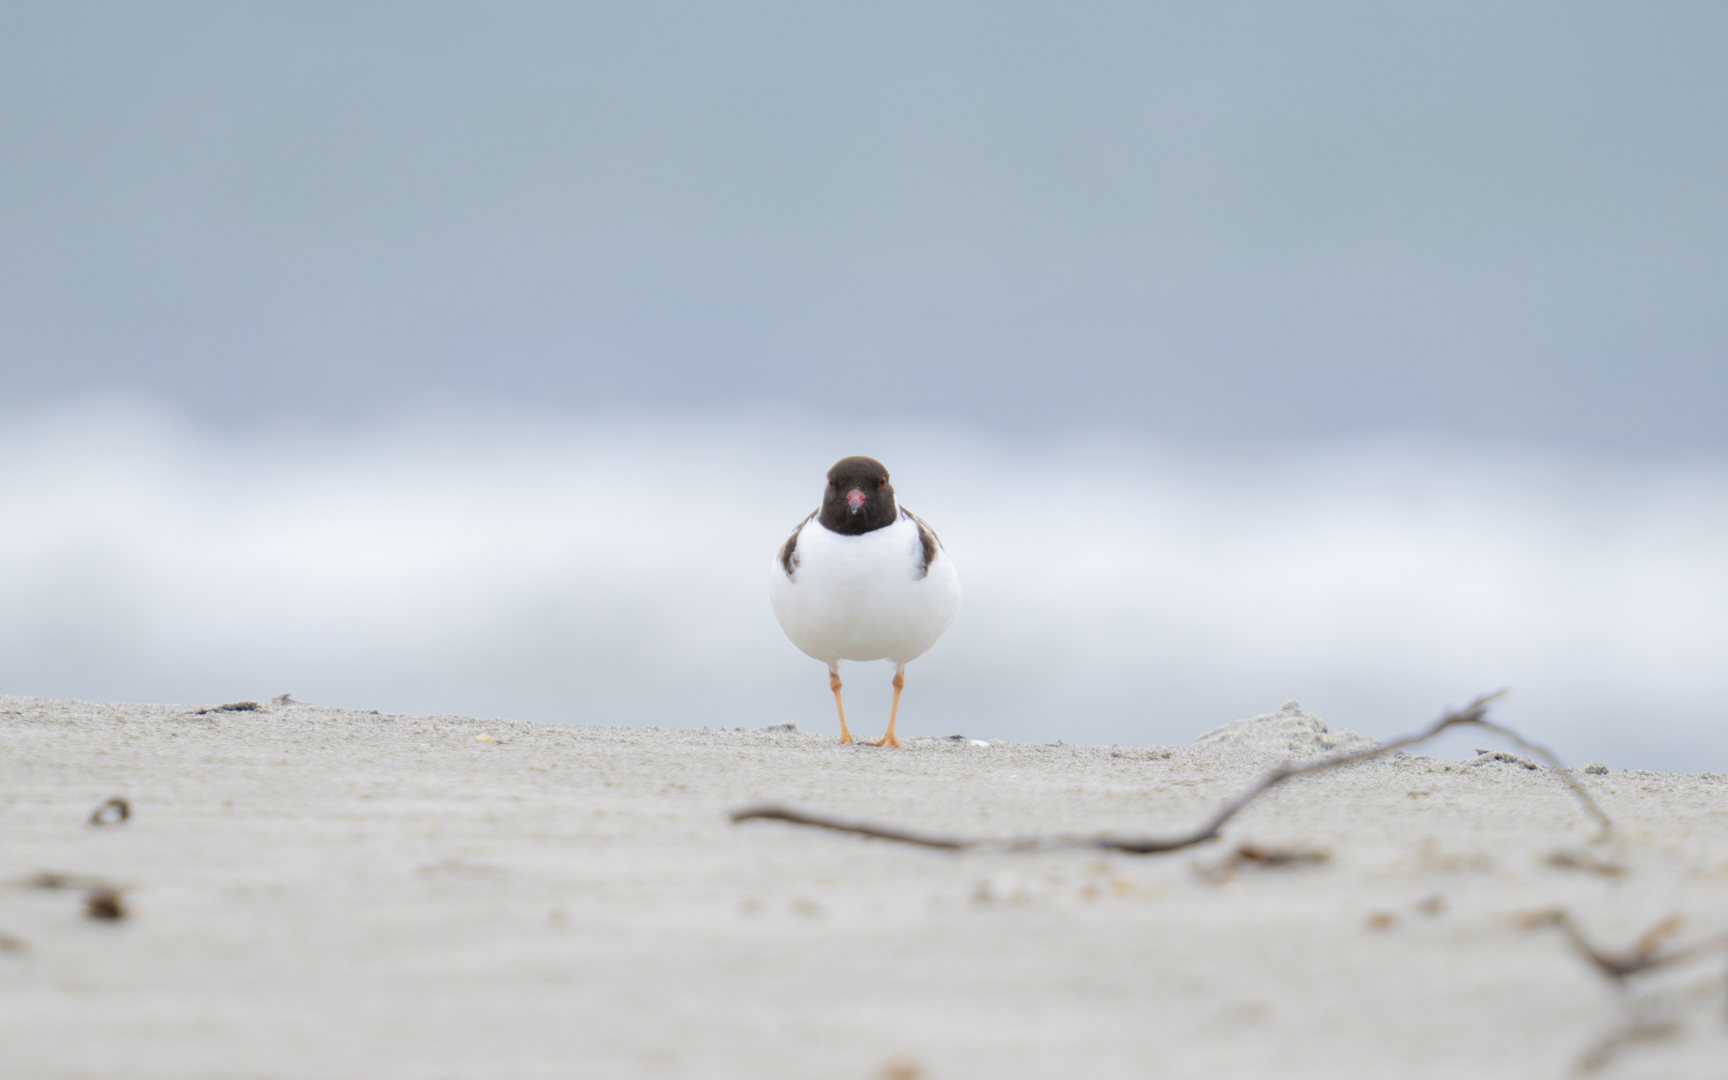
(777, 812)
(1554, 766)
(1646, 955)
(1255, 855)
(1473, 714)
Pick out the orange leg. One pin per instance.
(894, 712)
(834, 685)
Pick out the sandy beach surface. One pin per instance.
(314, 892)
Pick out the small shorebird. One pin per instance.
(863, 578)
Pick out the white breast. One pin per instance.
(864, 597)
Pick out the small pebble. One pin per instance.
(104, 902)
(112, 812)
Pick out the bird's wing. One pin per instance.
(789, 550)
(927, 539)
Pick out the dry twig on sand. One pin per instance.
(1256, 855)
(1646, 955)
(1472, 715)
(1652, 1018)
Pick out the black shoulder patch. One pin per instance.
(927, 538)
(789, 550)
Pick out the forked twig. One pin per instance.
(1473, 715)
(1648, 1021)
(1646, 955)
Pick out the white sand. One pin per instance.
(323, 893)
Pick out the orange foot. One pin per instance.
(894, 713)
(846, 737)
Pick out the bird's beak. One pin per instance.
(855, 500)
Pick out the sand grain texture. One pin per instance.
(315, 892)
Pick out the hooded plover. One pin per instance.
(863, 578)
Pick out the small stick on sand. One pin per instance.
(1646, 955)
(778, 812)
(1473, 715)
(1256, 855)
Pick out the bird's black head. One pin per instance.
(859, 498)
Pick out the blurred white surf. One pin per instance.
(1115, 592)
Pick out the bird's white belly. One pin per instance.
(861, 597)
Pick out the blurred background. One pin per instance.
(477, 358)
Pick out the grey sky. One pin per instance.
(1199, 221)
